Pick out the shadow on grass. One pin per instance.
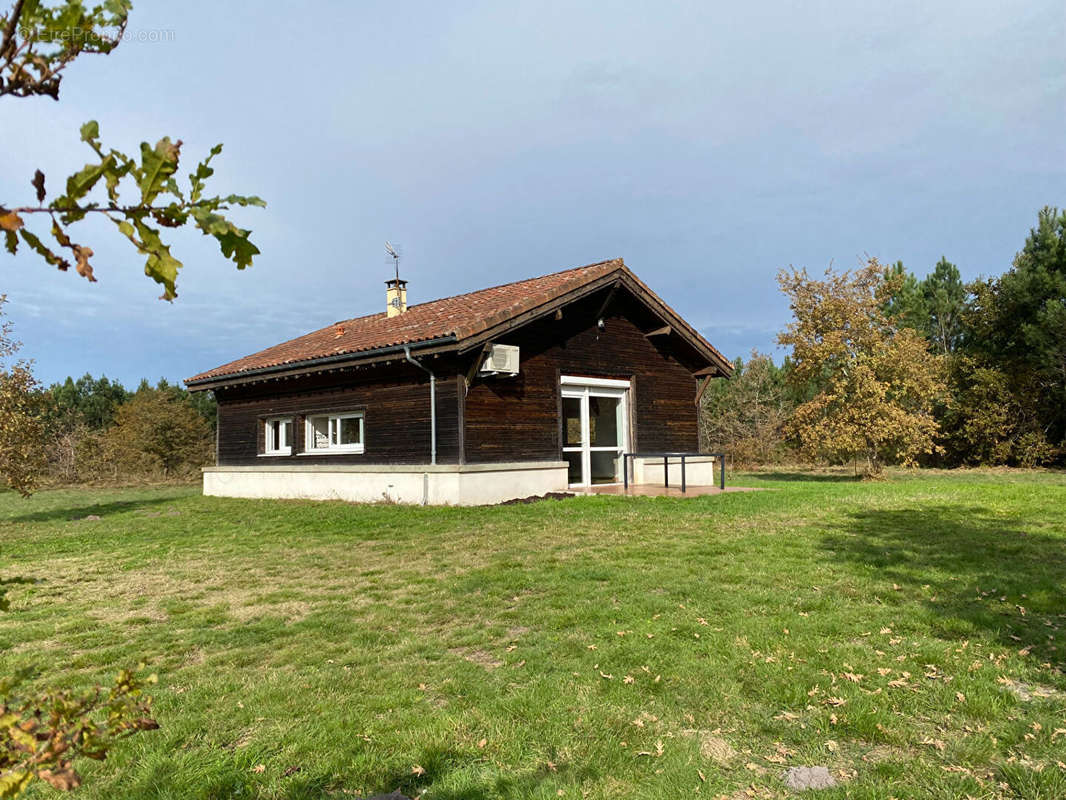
(67, 513)
(807, 477)
(438, 763)
(961, 561)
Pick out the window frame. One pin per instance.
(268, 435)
(333, 417)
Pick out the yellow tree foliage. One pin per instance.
(22, 448)
(875, 381)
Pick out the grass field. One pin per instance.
(907, 634)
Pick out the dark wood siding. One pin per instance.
(515, 419)
(394, 399)
(498, 419)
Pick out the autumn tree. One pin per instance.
(878, 379)
(140, 194)
(156, 431)
(22, 457)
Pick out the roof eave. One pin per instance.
(294, 368)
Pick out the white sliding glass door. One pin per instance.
(595, 429)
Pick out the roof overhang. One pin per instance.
(339, 361)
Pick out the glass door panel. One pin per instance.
(594, 432)
(603, 421)
(575, 471)
(604, 466)
(572, 422)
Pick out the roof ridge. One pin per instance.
(620, 261)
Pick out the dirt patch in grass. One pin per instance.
(290, 611)
(715, 748)
(119, 616)
(1027, 692)
(479, 657)
(885, 752)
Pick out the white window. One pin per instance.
(335, 433)
(278, 440)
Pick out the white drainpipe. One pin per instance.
(432, 404)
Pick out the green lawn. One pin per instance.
(907, 634)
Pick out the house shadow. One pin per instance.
(961, 561)
(68, 513)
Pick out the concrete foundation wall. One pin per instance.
(699, 471)
(466, 485)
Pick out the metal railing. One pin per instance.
(720, 457)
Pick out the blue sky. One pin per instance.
(709, 144)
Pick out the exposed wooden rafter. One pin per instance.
(702, 388)
(666, 330)
(476, 365)
(607, 300)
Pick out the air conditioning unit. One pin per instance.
(502, 359)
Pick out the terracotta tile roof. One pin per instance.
(460, 316)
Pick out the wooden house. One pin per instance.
(516, 390)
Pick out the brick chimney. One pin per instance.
(395, 297)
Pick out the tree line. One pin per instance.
(888, 367)
(95, 430)
(98, 430)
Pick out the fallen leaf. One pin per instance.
(418, 769)
(62, 779)
(259, 769)
(482, 742)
